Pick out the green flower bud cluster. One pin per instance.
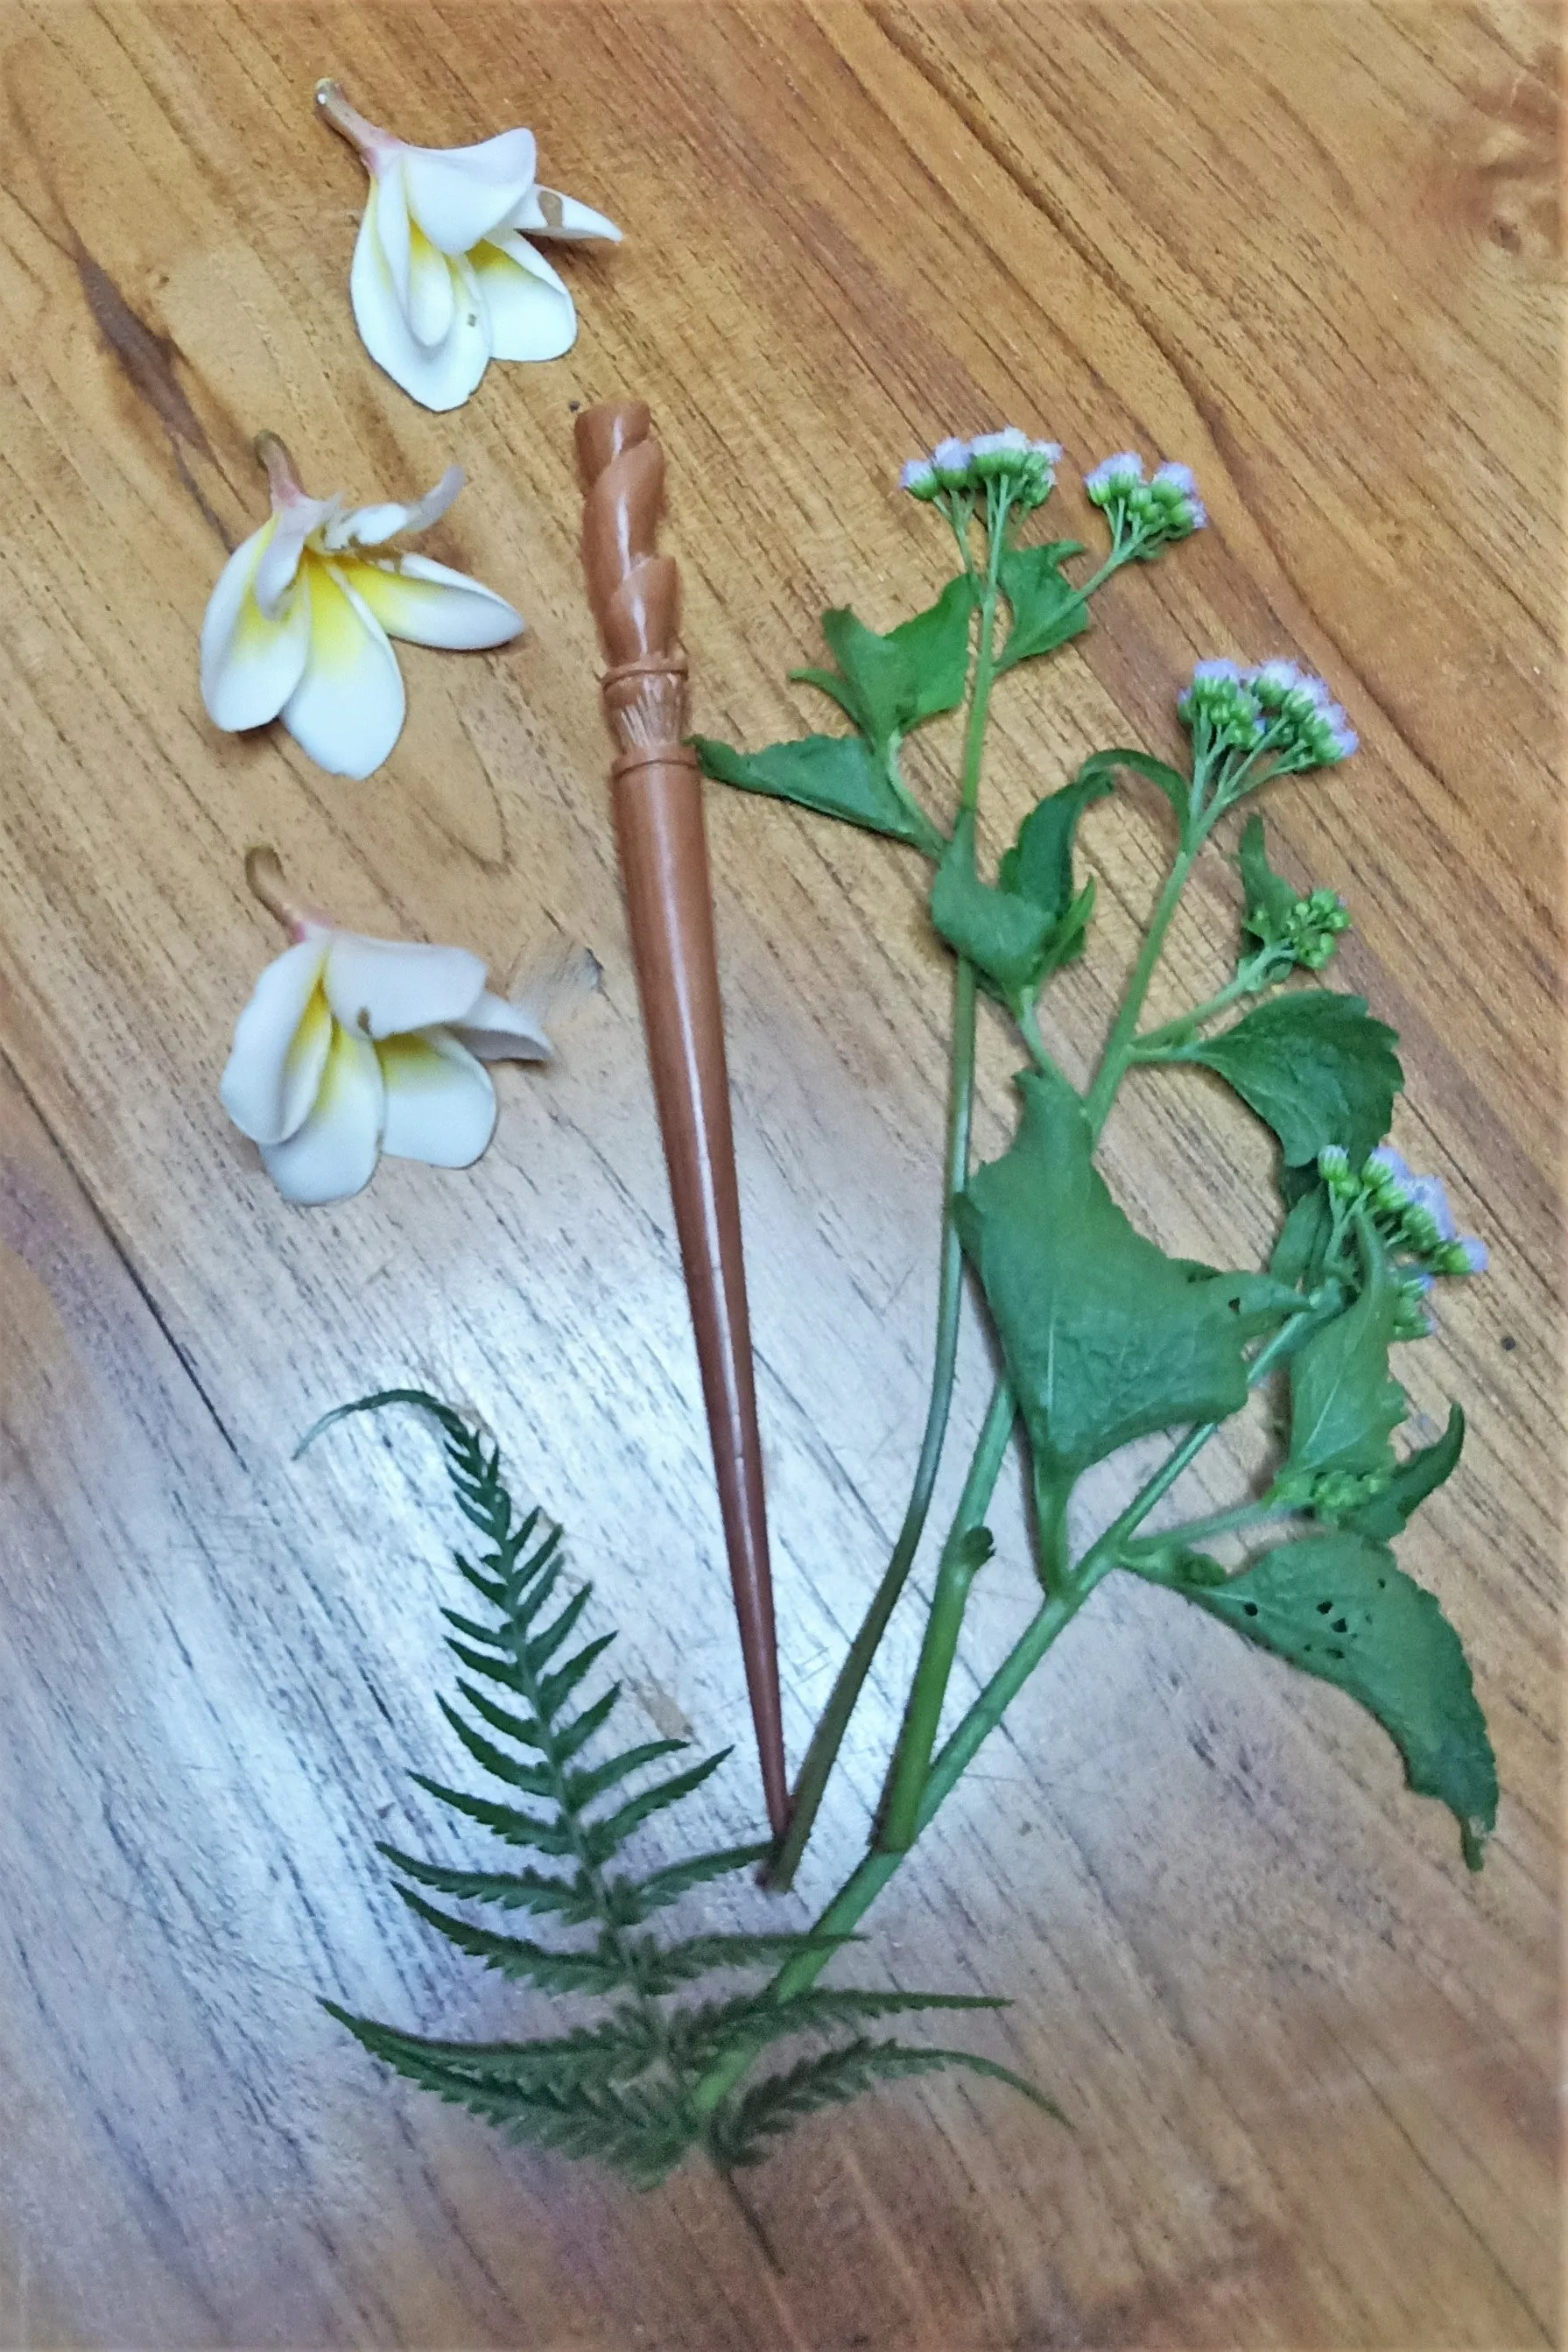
(1308, 933)
(1026, 468)
(1410, 1211)
(1332, 1495)
(1145, 515)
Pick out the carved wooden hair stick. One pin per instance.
(635, 596)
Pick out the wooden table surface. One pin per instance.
(1308, 2059)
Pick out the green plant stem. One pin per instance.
(955, 1573)
(1221, 1523)
(1249, 981)
(828, 1738)
(1118, 1046)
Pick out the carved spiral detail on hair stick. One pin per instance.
(635, 595)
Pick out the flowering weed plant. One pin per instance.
(1103, 1340)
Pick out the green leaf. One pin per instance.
(1302, 1246)
(1344, 1406)
(663, 1969)
(1047, 609)
(1270, 899)
(1003, 935)
(533, 1779)
(564, 1681)
(1314, 1068)
(543, 1646)
(583, 1787)
(570, 1899)
(1039, 865)
(837, 775)
(1419, 1475)
(605, 1837)
(771, 2107)
(1176, 788)
(1105, 1337)
(753, 2020)
(513, 1956)
(1338, 1607)
(508, 1821)
(879, 686)
(621, 2048)
(935, 644)
(668, 1885)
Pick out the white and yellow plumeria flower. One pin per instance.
(354, 1046)
(299, 626)
(444, 280)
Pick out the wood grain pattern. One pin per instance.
(1311, 250)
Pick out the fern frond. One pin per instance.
(770, 2108)
(676, 1879)
(753, 2020)
(624, 2090)
(607, 1837)
(571, 1900)
(508, 1821)
(601, 1970)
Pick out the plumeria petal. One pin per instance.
(432, 296)
(377, 987)
(371, 525)
(458, 194)
(250, 665)
(441, 377)
(346, 711)
(530, 310)
(280, 1046)
(498, 1031)
(440, 1101)
(386, 208)
(333, 1154)
(544, 212)
(431, 604)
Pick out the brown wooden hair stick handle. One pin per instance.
(635, 596)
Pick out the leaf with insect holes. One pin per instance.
(1337, 1606)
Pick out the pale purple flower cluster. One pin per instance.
(1277, 705)
(1286, 691)
(1412, 1211)
(1027, 467)
(1150, 513)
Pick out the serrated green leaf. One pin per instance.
(771, 2107)
(1337, 1606)
(1344, 1406)
(666, 1885)
(571, 1899)
(543, 1646)
(1105, 1337)
(1419, 1474)
(836, 775)
(640, 2131)
(571, 1738)
(526, 1730)
(1039, 865)
(1047, 609)
(1313, 1066)
(472, 1630)
(621, 2048)
(495, 1670)
(603, 1970)
(754, 2020)
(533, 1779)
(664, 1967)
(554, 1688)
(583, 1787)
(935, 644)
(509, 1822)
(1003, 936)
(605, 1837)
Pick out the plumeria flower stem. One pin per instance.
(300, 623)
(444, 279)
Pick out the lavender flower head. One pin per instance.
(1113, 478)
(918, 477)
